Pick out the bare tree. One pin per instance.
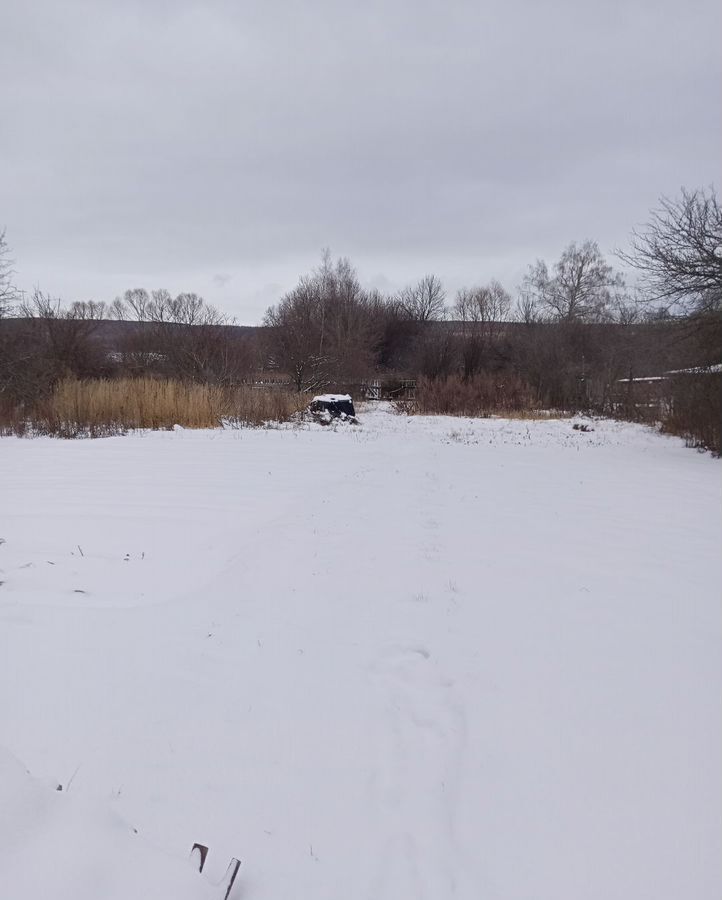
(91, 310)
(424, 301)
(64, 336)
(485, 305)
(183, 337)
(296, 338)
(678, 253)
(326, 328)
(135, 302)
(117, 309)
(480, 310)
(190, 309)
(159, 306)
(581, 286)
(626, 309)
(8, 292)
(396, 333)
(526, 309)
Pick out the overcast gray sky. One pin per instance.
(218, 146)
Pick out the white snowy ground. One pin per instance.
(423, 658)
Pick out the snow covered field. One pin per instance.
(423, 658)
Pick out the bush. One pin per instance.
(481, 395)
(696, 410)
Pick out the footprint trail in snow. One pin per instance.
(415, 786)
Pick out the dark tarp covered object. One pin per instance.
(335, 405)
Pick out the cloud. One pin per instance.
(161, 140)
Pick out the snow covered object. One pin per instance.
(199, 852)
(57, 844)
(326, 407)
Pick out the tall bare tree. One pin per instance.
(581, 286)
(296, 338)
(480, 310)
(133, 305)
(486, 306)
(8, 292)
(526, 309)
(678, 253)
(424, 301)
(325, 329)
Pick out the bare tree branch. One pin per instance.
(677, 253)
(8, 292)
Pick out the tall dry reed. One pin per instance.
(100, 407)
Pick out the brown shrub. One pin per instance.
(695, 410)
(479, 396)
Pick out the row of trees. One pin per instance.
(329, 325)
(568, 326)
(574, 330)
(138, 334)
(677, 255)
(329, 328)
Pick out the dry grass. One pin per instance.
(532, 415)
(101, 407)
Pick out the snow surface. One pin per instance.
(423, 658)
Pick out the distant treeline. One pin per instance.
(573, 335)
